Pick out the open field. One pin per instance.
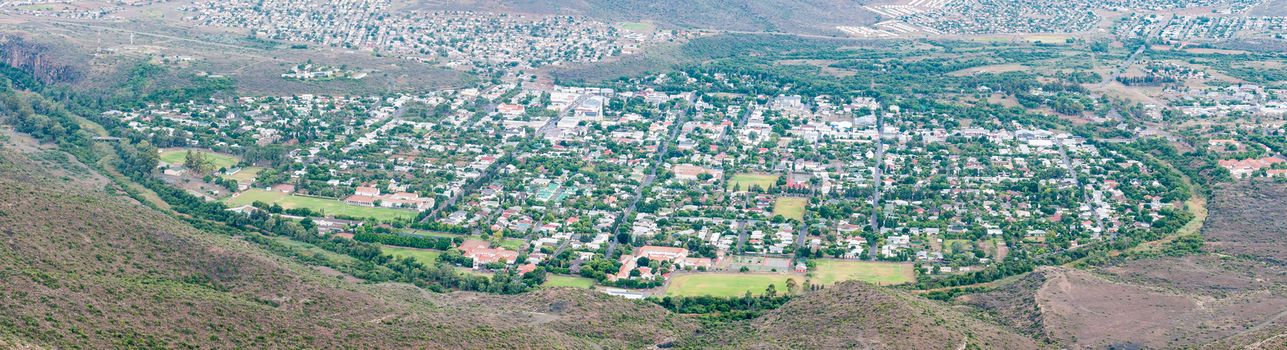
(326, 206)
(177, 155)
(245, 175)
(995, 68)
(728, 284)
(790, 207)
(745, 181)
(567, 281)
(830, 271)
(636, 26)
(424, 256)
(433, 233)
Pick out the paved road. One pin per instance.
(549, 126)
(1072, 174)
(652, 175)
(1130, 60)
(501, 162)
(741, 236)
(876, 177)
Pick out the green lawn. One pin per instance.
(245, 175)
(428, 257)
(790, 207)
(727, 284)
(567, 281)
(511, 243)
(326, 206)
(830, 271)
(219, 160)
(746, 180)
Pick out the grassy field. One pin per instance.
(315, 251)
(728, 284)
(326, 206)
(177, 155)
(567, 281)
(424, 256)
(245, 175)
(949, 245)
(1047, 38)
(790, 207)
(830, 271)
(747, 180)
(636, 26)
(37, 7)
(433, 233)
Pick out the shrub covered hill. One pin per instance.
(856, 315)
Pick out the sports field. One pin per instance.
(567, 281)
(728, 284)
(326, 206)
(219, 160)
(429, 257)
(830, 271)
(790, 207)
(746, 180)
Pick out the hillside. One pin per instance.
(859, 315)
(788, 16)
(1230, 296)
(81, 267)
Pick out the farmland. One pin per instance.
(830, 271)
(326, 206)
(728, 284)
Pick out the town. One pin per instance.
(452, 38)
(631, 174)
(658, 189)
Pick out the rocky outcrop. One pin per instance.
(35, 59)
